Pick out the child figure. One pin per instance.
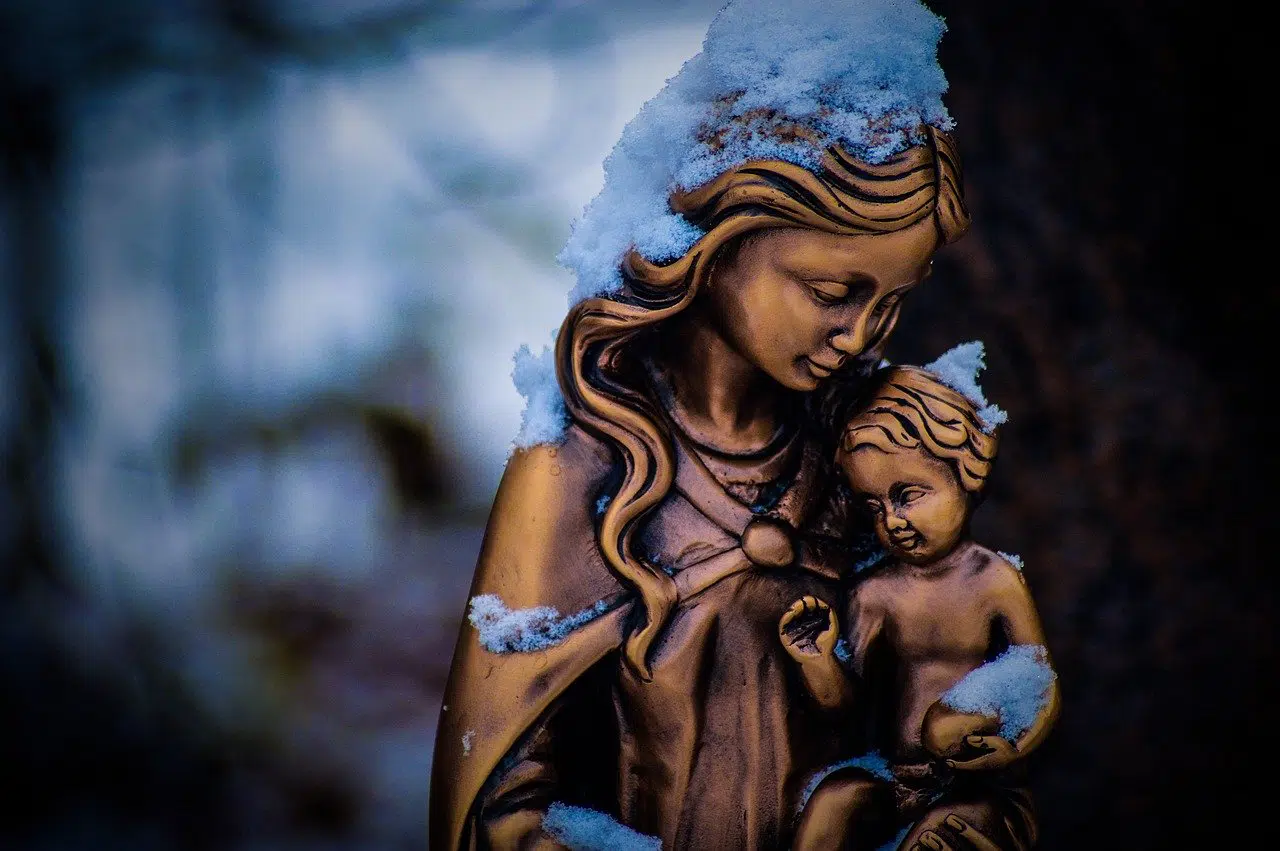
(938, 610)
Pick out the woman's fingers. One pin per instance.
(930, 841)
(970, 835)
(967, 838)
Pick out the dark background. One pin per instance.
(1127, 324)
(1127, 332)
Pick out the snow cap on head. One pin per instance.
(958, 368)
(775, 80)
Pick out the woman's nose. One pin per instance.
(851, 339)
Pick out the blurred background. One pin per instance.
(263, 265)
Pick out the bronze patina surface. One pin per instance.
(696, 499)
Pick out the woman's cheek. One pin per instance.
(797, 315)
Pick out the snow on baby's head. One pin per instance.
(958, 369)
(773, 81)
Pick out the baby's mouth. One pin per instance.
(906, 541)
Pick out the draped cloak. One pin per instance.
(719, 745)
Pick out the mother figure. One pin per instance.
(688, 504)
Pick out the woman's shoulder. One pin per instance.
(549, 479)
(540, 543)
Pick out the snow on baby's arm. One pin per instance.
(1014, 686)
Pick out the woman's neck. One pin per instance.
(721, 399)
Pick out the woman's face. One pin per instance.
(797, 303)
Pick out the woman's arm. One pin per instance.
(539, 552)
(514, 802)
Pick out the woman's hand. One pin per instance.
(809, 629)
(955, 834)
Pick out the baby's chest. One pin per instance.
(933, 626)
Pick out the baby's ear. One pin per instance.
(975, 498)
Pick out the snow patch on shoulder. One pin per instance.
(504, 630)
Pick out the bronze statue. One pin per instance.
(622, 667)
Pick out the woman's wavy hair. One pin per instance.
(603, 388)
(911, 408)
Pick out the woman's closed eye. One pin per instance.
(829, 292)
(886, 305)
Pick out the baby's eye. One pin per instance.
(874, 507)
(910, 495)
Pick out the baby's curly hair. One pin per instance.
(910, 407)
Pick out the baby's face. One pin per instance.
(917, 504)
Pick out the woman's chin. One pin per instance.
(801, 378)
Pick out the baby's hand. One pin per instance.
(809, 629)
(985, 753)
(947, 734)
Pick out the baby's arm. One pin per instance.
(1019, 612)
(1014, 607)
(809, 631)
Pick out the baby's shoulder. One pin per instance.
(878, 587)
(996, 571)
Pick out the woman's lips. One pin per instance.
(818, 370)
